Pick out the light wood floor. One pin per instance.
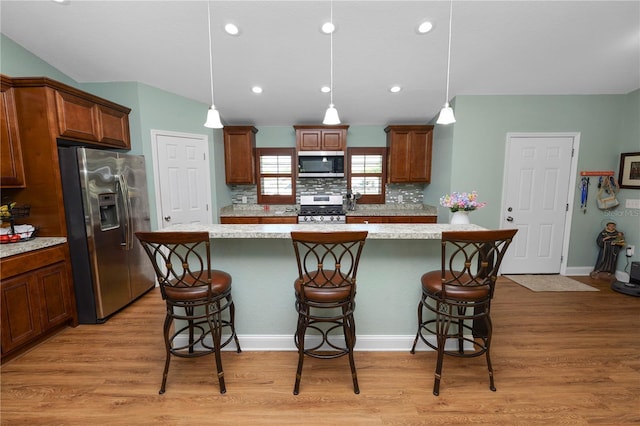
(560, 358)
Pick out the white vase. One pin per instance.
(460, 217)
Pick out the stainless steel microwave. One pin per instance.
(320, 164)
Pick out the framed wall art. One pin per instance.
(629, 176)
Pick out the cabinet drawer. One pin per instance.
(239, 220)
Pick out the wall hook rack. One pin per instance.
(597, 173)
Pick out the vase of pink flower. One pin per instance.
(460, 204)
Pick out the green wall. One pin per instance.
(467, 155)
(608, 125)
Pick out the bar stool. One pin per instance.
(196, 297)
(458, 296)
(325, 295)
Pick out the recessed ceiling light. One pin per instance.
(231, 29)
(425, 27)
(256, 89)
(328, 27)
(395, 89)
(325, 89)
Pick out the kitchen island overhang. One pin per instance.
(261, 260)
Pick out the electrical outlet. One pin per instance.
(632, 204)
(244, 199)
(631, 251)
(400, 198)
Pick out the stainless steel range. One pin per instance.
(321, 209)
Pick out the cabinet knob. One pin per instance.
(167, 218)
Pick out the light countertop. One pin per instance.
(246, 210)
(382, 231)
(11, 249)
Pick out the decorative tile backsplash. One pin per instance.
(409, 193)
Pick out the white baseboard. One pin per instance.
(578, 271)
(366, 343)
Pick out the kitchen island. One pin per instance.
(261, 260)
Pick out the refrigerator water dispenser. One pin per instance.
(108, 211)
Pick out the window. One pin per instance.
(276, 182)
(367, 174)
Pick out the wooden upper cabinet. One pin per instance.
(239, 154)
(11, 165)
(321, 138)
(80, 116)
(409, 153)
(84, 119)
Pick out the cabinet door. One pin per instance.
(309, 140)
(53, 287)
(77, 118)
(11, 165)
(239, 154)
(333, 140)
(420, 156)
(20, 311)
(399, 169)
(114, 127)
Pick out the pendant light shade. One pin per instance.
(213, 119)
(331, 116)
(213, 116)
(446, 113)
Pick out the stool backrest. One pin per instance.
(181, 260)
(473, 258)
(328, 259)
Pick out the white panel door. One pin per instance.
(536, 202)
(182, 178)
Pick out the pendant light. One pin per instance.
(213, 116)
(446, 113)
(331, 116)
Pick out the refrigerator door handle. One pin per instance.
(128, 226)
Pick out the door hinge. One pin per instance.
(561, 259)
(207, 207)
(573, 150)
(566, 209)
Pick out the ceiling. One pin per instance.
(498, 48)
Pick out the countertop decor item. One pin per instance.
(460, 217)
(467, 201)
(460, 204)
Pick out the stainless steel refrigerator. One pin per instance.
(106, 201)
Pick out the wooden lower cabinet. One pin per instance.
(391, 219)
(247, 220)
(37, 297)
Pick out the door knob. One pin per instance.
(509, 219)
(167, 218)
